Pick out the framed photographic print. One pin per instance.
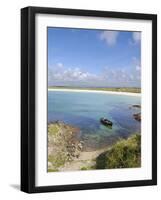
(88, 99)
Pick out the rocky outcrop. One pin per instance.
(137, 116)
(136, 106)
(63, 144)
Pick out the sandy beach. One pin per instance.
(96, 91)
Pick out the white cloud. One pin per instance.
(62, 74)
(136, 63)
(131, 76)
(110, 37)
(138, 68)
(119, 76)
(74, 76)
(59, 64)
(136, 36)
(124, 76)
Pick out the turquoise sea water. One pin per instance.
(84, 110)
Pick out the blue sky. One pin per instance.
(103, 58)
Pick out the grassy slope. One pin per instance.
(123, 154)
(115, 89)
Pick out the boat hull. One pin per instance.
(106, 122)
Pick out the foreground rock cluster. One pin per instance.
(63, 144)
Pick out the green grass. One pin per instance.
(52, 170)
(123, 154)
(53, 129)
(57, 160)
(114, 89)
(84, 168)
(87, 168)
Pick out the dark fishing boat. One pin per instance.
(106, 122)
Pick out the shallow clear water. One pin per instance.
(84, 110)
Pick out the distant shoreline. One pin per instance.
(95, 91)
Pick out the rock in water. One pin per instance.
(136, 106)
(137, 116)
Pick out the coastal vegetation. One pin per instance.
(126, 153)
(113, 89)
(65, 151)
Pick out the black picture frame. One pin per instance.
(28, 98)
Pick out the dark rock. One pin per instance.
(136, 106)
(137, 116)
